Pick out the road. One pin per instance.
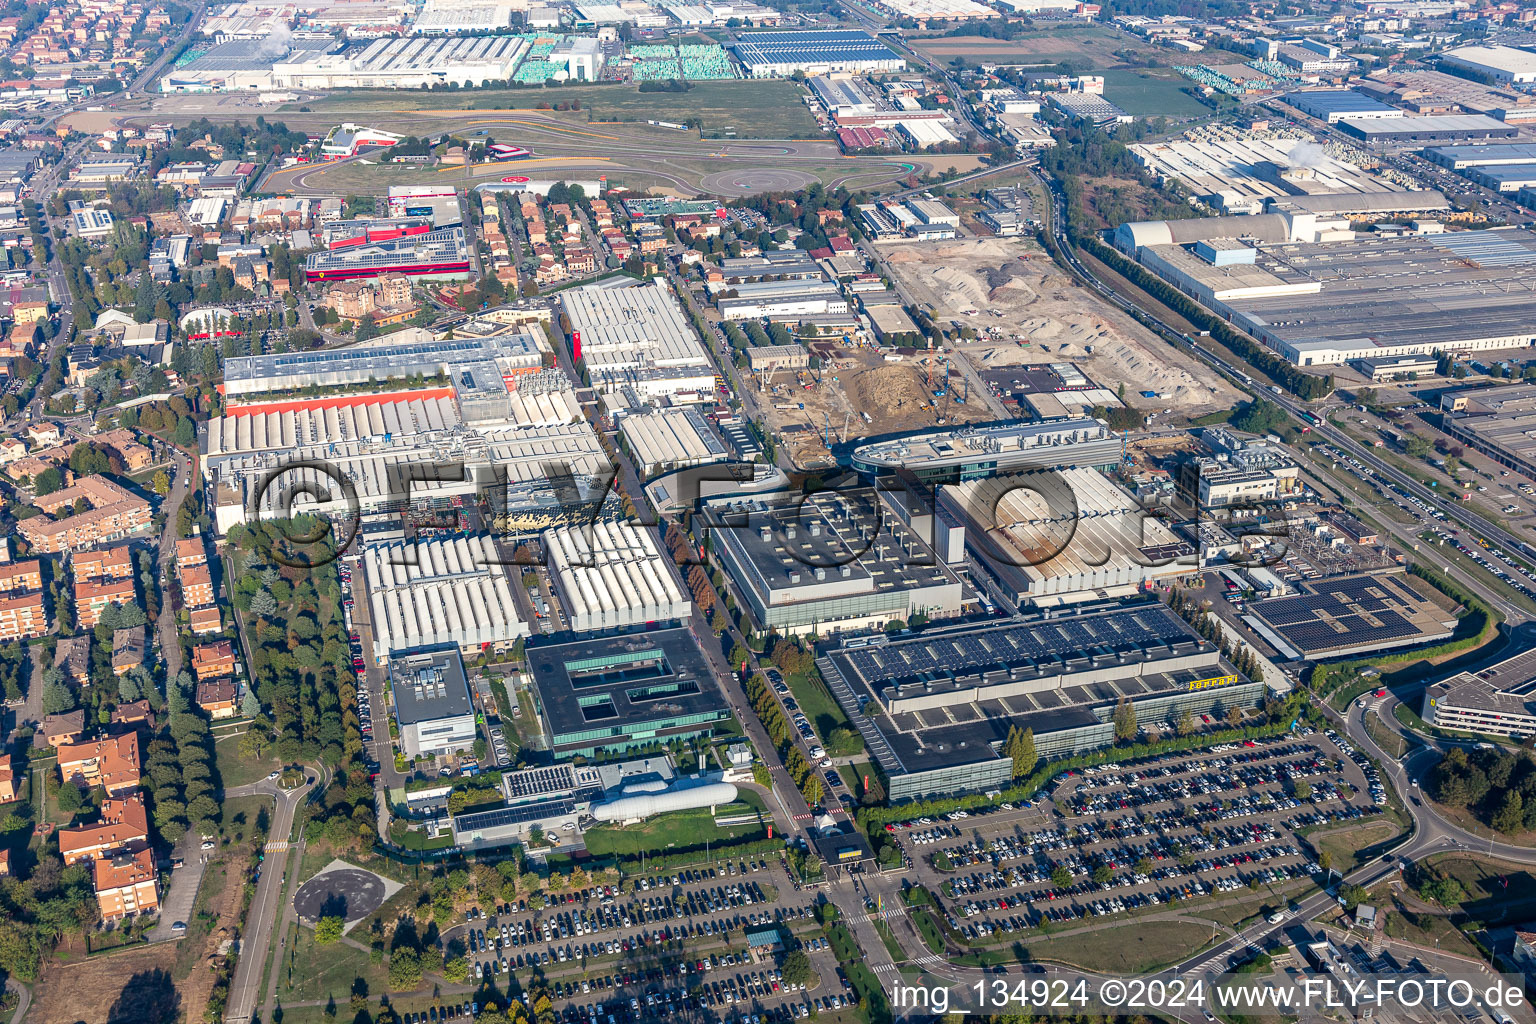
(266, 905)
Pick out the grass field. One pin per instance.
(320, 971)
(1137, 949)
(770, 109)
(234, 770)
(680, 829)
(1154, 92)
(817, 704)
(1092, 46)
(1346, 844)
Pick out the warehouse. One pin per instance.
(1503, 64)
(1459, 158)
(1498, 701)
(1055, 537)
(455, 18)
(611, 576)
(669, 439)
(1504, 177)
(1333, 105)
(826, 562)
(820, 52)
(1345, 616)
(1089, 107)
(949, 456)
(779, 299)
(948, 697)
(435, 593)
(410, 353)
(638, 337)
(432, 705)
(1419, 131)
(238, 65)
(1239, 175)
(1500, 422)
(1330, 302)
(405, 63)
(611, 695)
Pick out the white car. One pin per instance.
(273, 775)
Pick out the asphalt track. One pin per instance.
(348, 893)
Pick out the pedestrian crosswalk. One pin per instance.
(931, 958)
(884, 968)
(889, 914)
(277, 846)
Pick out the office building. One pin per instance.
(431, 703)
(947, 697)
(1497, 701)
(440, 254)
(606, 696)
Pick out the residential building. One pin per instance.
(7, 780)
(128, 649)
(127, 885)
(111, 763)
(61, 729)
(213, 661)
(217, 698)
(124, 826)
(91, 598)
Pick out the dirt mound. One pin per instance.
(887, 393)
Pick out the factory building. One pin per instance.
(1421, 131)
(1334, 105)
(437, 593)
(1459, 158)
(611, 576)
(1499, 422)
(409, 353)
(613, 695)
(1506, 65)
(948, 697)
(817, 52)
(1321, 303)
(776, 300)
(827, 562)
(1344, 616)
(638, 338)
(405, 63)
(443, 255)
(970, 453)
(669, 439)
(1053, 537)
(431, 703)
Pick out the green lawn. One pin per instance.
(241, 814)
(1138, 948)
(863, 980)
(236, 770)
(755, 109)
(1151, 93)
(818, 705)
(681, 829)
(322, 971)
(1346, 844)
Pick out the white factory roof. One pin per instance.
(611, 575)
(671, 439)
(467, 611)
(403, 563)
(1508, 59)
(260, 431)
(633, 327)
(545, 409)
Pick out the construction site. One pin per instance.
(1010, 306)
(862, 392)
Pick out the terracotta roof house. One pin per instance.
(126, 885)
(124, 825)
(111, 763)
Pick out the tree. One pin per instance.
(1303, 790)
(1102, 874)
(1415, 446)
(797, 968)
(161, 483)
(1353, 895)
(404, 969)
(1186, 723)
(1125, 721)
(1510, 817)
(1020, 748)
(1060, 876)
(57, 696)
(328, 929)
(47, 481)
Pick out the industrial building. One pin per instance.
(431, 703)
(817, 52)
(409, 353)
(242, 65)
(826, 562)
(1499, 422)
(1387, 368)
(638, 338)
(775, 300)
(438, 593)
(604, 696)
(1435, 92)
(1241, 472)
(1054, 537)
(1372, 296)
(948, 696)
(1241, 175)
(1334, 105)
(1344, 616)
(970, 453)
(1420, 131)
(611, 575)
(1459, 158)
(664, 440)
(1504, 64)
(1091, 108)
(442, 255)
(405, 63)
(1498, 701)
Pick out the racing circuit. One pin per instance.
(635, 155)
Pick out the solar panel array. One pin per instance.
(1346, 612)
(971, 653)
(541, 781)
(479, 821)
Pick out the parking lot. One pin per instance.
(674, 945)
(1144, 834)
